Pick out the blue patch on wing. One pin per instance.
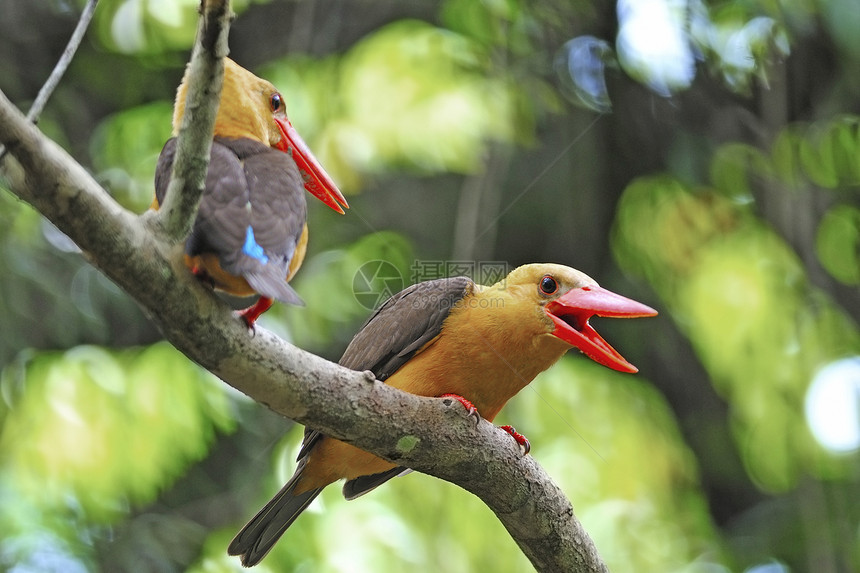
(252, 249)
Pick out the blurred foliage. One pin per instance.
(722, 189)
(321, 323)
(150, 27)
(601, 429)
(49, 298)
(660, 41)
(87, 432)
(440, 103)
(825, 155)
(838, 243)
(125, 149)
(760, 312)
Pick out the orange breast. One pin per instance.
(332, 460)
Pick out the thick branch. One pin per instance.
(426, 434)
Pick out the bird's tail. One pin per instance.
(260, 534)
(271, 281)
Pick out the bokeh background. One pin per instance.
(700, 156)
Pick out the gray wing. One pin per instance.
(390, 337)
(252, 213)
(402, 325)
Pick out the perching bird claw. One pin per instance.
(252, 313)
(471, 411)
(522, 441)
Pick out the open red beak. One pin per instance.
(317, 181)
(571, 312)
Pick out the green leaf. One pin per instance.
(106, 428)
(125, 149)
(838, 243)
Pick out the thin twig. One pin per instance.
(62, 65)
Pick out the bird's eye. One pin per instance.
(548, 285)
(276, 102)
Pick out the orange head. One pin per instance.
(563, 300)
(252, 108)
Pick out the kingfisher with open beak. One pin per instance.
(479, 345)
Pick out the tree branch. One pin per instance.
(347, 405)
(205, 77)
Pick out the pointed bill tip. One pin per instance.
(571, 312)
(316, 180)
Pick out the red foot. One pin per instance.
(470, 408)
(252, 313)
(523, 442)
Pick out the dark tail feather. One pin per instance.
(271, 281)
(261, 533)
(362, 484)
